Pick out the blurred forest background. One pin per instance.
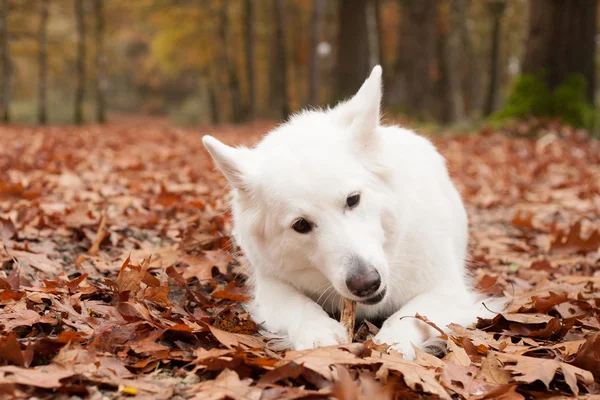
(201, 62)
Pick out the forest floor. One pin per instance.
(116, 281)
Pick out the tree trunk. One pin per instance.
(561, 41)
(496, 9)
(474, 76)
(417, 55)
(249, 25)
(43, 64)
(278, 88)
(80, 90)
(373, 33)
(233, 81)
(101, 83)
(353, 48)
(313, 67)
(5, 94)
(214, 104)
(454, 59)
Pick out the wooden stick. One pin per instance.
(348, 317)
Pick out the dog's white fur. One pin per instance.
(410, 224)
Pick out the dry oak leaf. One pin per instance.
(530, 369)
(38, 261)
(528, 318)
(523, 219)
(227, 385)
(231, 340)
(588, 355)
(25, 317)
(461, 380)
(415, 376)
(573, 243)
(362, 388)
(492, 372)
(7, 229)
(45, 376)
(457, 355)
(10, 350)
(322, 359)
(129, 278)
(159, 295)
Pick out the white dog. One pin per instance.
(334, 204)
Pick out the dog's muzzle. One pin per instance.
(375, 299)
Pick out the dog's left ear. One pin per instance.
(361, 112)
(231, 161)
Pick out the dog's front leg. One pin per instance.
(441, 306)
(284, 310)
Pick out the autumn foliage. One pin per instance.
(118, 276)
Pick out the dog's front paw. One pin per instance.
(396, 343)
(328, 332)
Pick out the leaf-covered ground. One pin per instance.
(116, 279)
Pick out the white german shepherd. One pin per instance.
(334, 204)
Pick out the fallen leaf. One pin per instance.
(530, 369)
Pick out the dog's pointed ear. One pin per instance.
(229, 160)
(362, 112)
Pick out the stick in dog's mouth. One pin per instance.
(348, 317)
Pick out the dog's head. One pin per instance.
(312, 196)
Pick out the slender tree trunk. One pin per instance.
(214, 106)
(496, 9)
(43, 64)
(80, 90)
(474, 76)
(454, 59)
(372, 33)
(313, 66)
(233, 81)
(417, 54)
(101, 84)
(279, 95)
(561, 41)
(5, 92)
(353, 53)
(249, 25)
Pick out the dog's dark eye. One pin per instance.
(353, 200)
(302, 226)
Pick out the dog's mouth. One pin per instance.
(375, 299)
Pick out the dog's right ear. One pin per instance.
(229, 160)
(361, 113)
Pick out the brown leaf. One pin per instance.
(289, 370)
(461, 380)
(415, 376)
(7, 229)
(10, 350)
(46, 376)
(588, 355)
(25, 317)
(321, 359)
(523, 219)
(37, 261)
(159, 295)
(232, 293)
(528, 318)
(530, 369)
(130, 276)
(231, 340)
(227, 385)
(492, 371)
(573, 243)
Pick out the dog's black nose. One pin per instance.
(364, 279)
